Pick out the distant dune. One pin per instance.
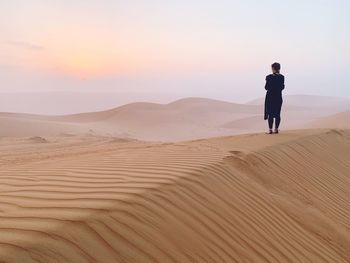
(185, 119)
(251, 122)
(188, 118)
(247, 198)
(313, 102)
(35, 126)
(339, 120)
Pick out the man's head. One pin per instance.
(276, 67)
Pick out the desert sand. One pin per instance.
(246, 198)
(137, 184)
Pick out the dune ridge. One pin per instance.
(247, 198)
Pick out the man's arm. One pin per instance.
(267, 83)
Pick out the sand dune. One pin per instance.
(36, 126)
(312, 102)
(291, 119)
(339, 120)
(252, 122)
(188, 109)
(185, 119)
(247, 198)
(188, 118)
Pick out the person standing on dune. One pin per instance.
(273, 100)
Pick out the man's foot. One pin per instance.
(269, 132)
(276, 131)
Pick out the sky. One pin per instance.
(220, 49)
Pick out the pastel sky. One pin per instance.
(213, 48)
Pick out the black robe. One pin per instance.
(273, 100)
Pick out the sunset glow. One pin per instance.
(196, 46)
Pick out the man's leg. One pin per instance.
(270, 121)
(278, 121)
